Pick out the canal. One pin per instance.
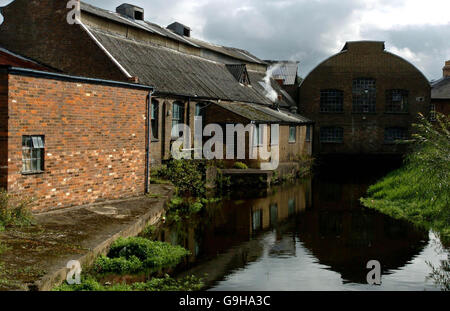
(310, 235)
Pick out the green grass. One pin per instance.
(420, 191)
(167, 283)
(14, 211)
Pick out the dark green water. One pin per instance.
(312, 235)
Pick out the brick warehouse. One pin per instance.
(188, 74)
(67, 141)
(363, 99)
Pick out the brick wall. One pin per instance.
(39, 30)
(95, 138)
(363, 132)
(3, 127)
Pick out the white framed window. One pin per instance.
(33, 154)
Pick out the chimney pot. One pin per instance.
(446, 69)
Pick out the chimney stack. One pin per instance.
(446, 69)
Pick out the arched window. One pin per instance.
(155, 119)
(364, 95)
(397, 101)
(331, 101)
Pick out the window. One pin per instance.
(257, 220)
(292, 133)
(433, 112)
(258, 135)
(308, 133)
(291, 207)
(177, 116)
(331, 101)
(392, 134)
(397, 101)
(273, 214)
(155, 117)
(32, 154)
(331, 135)
(364, 95)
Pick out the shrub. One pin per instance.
(240, 166)
(14, 211)
(186, 175)
(136, 254)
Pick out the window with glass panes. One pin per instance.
(292, 134)
(331, 135)
(393, 134)
(308, 133)
(33, 154)
(155, 117)
(364, 95)
(177, 116)
(397, 101)
(331, 101)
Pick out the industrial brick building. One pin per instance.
(188, 74)
(363, 100)
(83, 123)
(440, 92)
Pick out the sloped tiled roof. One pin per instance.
(440, 89)
(175, 73)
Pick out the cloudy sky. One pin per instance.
(311, 30)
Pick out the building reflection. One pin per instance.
(322, 216)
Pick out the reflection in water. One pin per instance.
(313, 235)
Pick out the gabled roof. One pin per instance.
(440, 89)
(285, 70)
(240, 73)
(156, 29)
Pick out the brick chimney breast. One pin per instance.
(446, 69)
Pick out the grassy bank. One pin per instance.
(420, 191)
(134, 264)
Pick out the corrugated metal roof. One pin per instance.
(286, 71)
(263, 114)
(177, 73)
(156, 29)
(441, 89)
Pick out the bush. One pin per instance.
(14, 211)
(136, 254)
(186, 175)
(240, 166)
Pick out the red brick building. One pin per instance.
(67, 140)
(189, 74)
(440, 92)
(363, 100)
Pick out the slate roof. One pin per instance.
(264, 114)
(156, 29)
(440, 89)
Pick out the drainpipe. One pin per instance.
(149, 141)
